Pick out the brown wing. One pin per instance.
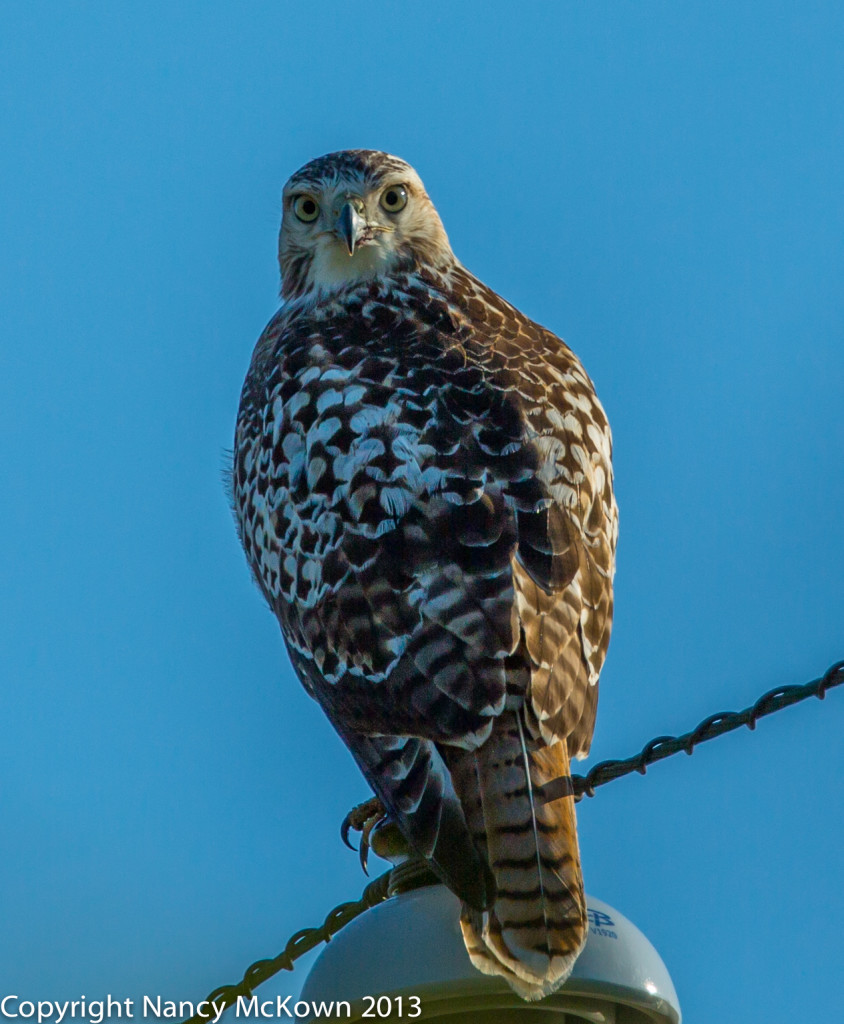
(567, 517)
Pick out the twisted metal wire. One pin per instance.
(299, 944)
(579, 785)
(716, 725)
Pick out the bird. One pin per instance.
(422, 485)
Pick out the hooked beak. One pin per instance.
(349, 226)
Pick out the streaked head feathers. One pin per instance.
(354, 215)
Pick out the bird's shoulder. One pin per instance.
(427, 324)
(407, 316)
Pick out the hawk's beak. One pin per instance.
(349, 226)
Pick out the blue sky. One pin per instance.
(660, 184)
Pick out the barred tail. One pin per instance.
(537, 927)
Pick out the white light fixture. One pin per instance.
(410, 947)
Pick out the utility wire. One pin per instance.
(716, 725)
(299, 944)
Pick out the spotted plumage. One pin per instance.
(423, 487)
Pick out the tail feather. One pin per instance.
(537, 926)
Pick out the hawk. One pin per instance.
(422, 484)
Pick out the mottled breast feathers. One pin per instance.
(416, 452)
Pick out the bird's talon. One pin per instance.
(363, 819)
(344, 831)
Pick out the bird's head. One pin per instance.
(354, 215)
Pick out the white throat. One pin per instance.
(332, 267)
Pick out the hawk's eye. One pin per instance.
(394, 198)
(305, 208)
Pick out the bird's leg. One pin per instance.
(363, 819)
